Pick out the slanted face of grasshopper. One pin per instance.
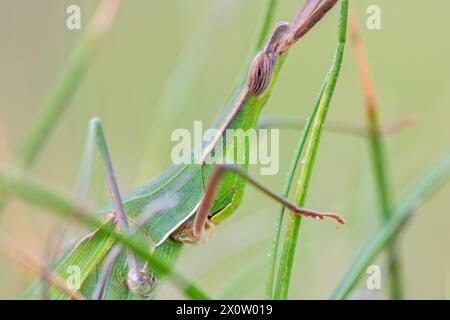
(105, 272)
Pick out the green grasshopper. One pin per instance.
(180, 204)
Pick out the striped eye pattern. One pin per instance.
(260, 72)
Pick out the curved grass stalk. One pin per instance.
(377, 152)
(40, 195)
(387, 233)
(290, 243)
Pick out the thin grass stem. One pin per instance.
(271, 6)
(186, 71)
(16, 253)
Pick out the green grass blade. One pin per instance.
(57, 100)
(290, 243)
(248, 279)
(273, 254)
(385, 200)
(388, 231)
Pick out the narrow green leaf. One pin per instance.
(290, 243)
(389, 230)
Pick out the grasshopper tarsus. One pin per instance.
(185, 221)
(319, 215)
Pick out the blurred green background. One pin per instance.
(124, 86)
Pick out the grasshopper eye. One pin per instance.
(260, 73)
(143, 285)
